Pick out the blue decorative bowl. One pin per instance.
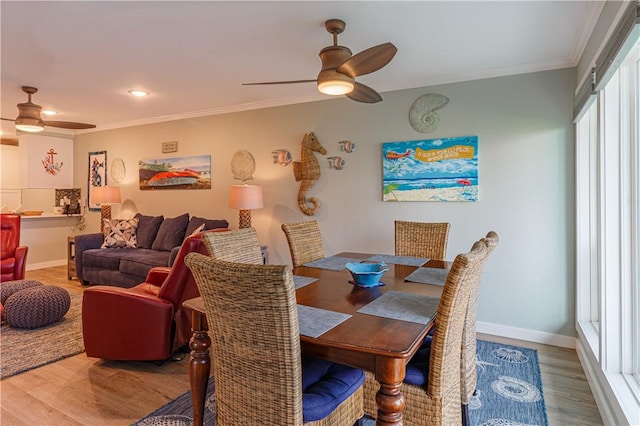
(367, 274)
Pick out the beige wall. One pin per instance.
(526, 176)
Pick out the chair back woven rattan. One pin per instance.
(421, 239)
(305, 242)
(469, 374)
(253, 322)
(240, 246)
(439, 402)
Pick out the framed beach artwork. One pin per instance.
(97, 175)
(431, 170)
(192, 172)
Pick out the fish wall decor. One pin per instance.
(337, 163)
(307, 172)
(281, 156)
(347, 146)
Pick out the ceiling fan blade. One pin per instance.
(362, 93)
(69, 125)
(7, 119)
(369, 60)
(280, 82)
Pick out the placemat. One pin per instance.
(299, 281)
(398, 260)
(403, 306)
(333, 263)
(314, 322)
(436, 276)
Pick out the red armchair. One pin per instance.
(145, 322)
(14, 256)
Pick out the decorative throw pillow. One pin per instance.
(120, 233)
(195, 222)
(171, 233)
(195, 231)
(147, 229)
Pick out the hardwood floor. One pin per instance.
(88, 391)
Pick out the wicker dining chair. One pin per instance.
(432, 383)
(305, 242)
(468, 369)
(422, 239)
(234, 246)
(260, 375)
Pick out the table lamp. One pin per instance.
(105, 196)
(245, 198)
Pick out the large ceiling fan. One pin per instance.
(340, 68)
(29, 119)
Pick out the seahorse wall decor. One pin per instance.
(307, 172)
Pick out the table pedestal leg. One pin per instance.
(199, 365)
(390, 374)
(390, 405)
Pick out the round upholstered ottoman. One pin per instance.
(36, 306)
(8, 288)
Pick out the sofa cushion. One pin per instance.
(104, 259)
(171, 233)
(120, 233)
(198, 230)
(196, 222)
(147, 229)
(139, 262)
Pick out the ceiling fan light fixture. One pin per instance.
(334, 83)
(28, 124)
(138, 93)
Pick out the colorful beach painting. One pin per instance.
(192, 172)
(431, 170)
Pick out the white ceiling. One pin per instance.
(193, 56)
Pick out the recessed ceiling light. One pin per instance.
(139, 93)
(49, 112)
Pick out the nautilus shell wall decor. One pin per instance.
(243, 165)
(423, 116)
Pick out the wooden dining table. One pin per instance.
(373, 343)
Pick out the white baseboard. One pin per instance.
(528, 335)
(50, 264)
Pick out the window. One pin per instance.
(608, 238)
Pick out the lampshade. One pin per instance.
(245, 197)
(105, 194)
(331, 82)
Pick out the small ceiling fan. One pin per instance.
(29, 119)
(340, 67)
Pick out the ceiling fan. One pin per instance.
(340, 68)
(29, 119)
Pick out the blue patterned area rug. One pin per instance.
(509, 393)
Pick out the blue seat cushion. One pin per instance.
(418, 368)
(325, 385)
